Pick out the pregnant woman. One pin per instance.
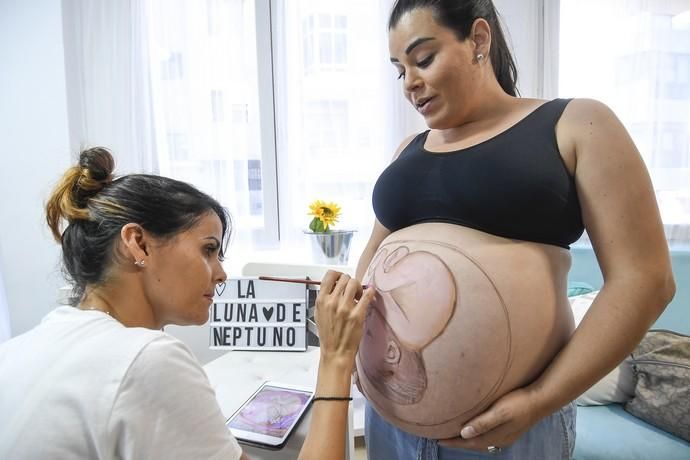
(469, 349)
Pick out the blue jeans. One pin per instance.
(552, 438)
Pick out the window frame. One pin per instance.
(270, 235)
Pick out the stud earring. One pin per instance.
(139, 263)
(480, 57)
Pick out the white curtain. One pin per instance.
(5, 332)
(108, 81)
(340, 110)
(531, 28)
(171, 87)
(209, 107)
(638, 64)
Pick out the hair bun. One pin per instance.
(97, 164)
(79, 183)
(95, 172)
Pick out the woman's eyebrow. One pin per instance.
(413, 45)
(214, 239)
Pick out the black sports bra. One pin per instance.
(514, 185)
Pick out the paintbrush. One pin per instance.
(294, 280)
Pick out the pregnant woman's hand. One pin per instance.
(500, 425)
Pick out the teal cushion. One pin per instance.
(610, 433)
(578, 288)
(676, 317)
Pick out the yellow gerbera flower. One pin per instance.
(325, 214)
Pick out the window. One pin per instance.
(214, 17)
(212, 116)
(639, 66)
(177, 146)
(324, 41)
(254, 185)
(171, 66)
(217, 111)
(336, 130)
(240, 114)
(268, 105)
(217, 107)
(326, 127)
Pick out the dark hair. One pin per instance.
(96, 207)
(459, 15)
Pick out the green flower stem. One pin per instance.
(316, 225)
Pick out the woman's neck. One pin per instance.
(486, 110)
(125, 302)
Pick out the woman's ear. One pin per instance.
(481, 37)
(134, 242)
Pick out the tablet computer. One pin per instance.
(270, 415)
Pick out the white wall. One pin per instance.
(34, 150)
(4, 313)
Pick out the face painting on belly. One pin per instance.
(416, 297)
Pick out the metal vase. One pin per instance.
(332, 248)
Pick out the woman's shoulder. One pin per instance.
(585, 119)
(165, 406)
(583, 111)
(165, 354)
(406, 142)
(125, 353)
(573, 108)
(164, 360)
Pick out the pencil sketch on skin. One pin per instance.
(410, 325)
(416, 297)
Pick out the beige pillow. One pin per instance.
(662, 394)
(618, 386)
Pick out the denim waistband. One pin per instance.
(552, 438)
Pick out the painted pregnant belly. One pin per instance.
(438, 346)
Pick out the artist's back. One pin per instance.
(81, 385)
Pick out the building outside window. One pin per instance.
(644, 76)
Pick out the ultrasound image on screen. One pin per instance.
(272, 411)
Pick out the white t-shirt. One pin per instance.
(81, 385)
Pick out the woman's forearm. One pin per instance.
(627, 308)
(329, 419)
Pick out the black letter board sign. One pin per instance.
(253, 314)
